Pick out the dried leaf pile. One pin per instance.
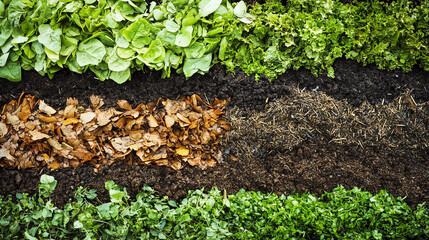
(286, 122)
(163, 133)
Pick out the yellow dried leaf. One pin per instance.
(182, 151)
(46, 119)
(69, 121)
(46, 157)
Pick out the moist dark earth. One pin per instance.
(315, 165)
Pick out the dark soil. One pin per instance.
(314, 165)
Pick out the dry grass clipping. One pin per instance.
(287, 122)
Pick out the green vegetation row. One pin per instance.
(341, 214)
(114, 38)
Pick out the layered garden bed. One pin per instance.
(282, 98)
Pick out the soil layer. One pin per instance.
(314, 165)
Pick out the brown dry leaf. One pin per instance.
(23, 116)
(223, 124)
(160, 153)
(69, 111)
(182, 151)
(103, 118)
(54, 164)
(162, 162)
(136, 135)
(87, 117)
(176, 165)
(152, 139)
(124, 104)
(205, 137)
(5, 153)
(12, 119)
(96, 102)
(169, 121)
(82, 153)
(72, 101)
(55, 144)
(45, 108)
(136, 146)
(121, 144)
(193, 161)
(35, 135)
(152, 121)
(3, 129)
(74, 163)
(46, 119)
(183, 118)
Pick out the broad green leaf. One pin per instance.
(125, 53)
(1, 9)
(51, 55)
(119, 77)
(196, 50)
(206, 7)
(155, 53)
(158, 14)
(122, 42)
(166, 37)
(50, 38)
(77, 224)
(138, 33)
(248, 18)
(101, 70)
(68, 45)
(90, 53)
(73, 6)
(240, 9)
(28, 236)
(3, 59)
(117, 63)
(5, 32)
(19, 39)
(47, 185)
(171, 26)
(193, 65)
(184, 38)
(171, 8)
(11, 71)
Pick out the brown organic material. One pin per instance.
(166, 133)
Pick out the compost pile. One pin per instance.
(163, 133)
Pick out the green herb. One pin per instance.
(340, 214)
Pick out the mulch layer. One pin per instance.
(313, 161)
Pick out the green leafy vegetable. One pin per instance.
(90, 52)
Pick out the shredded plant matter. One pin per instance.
(287, 122)
(163, 133)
